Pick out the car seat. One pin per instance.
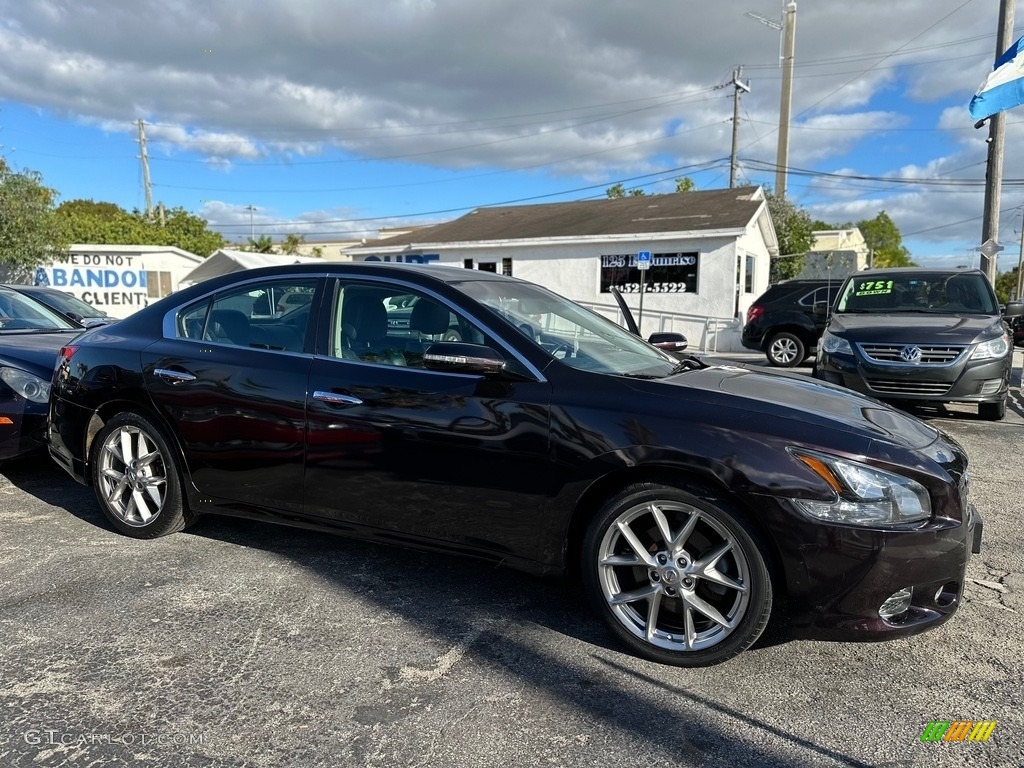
(365, 328)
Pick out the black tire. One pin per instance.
(136, 478)
(677, 580)
(992, 411)
(452, 334)
(785, 350)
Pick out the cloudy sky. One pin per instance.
(336, 118)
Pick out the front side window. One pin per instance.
(392, 325)
(257, 315)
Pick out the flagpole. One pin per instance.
(996, 145)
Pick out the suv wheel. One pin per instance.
(786, 350)
(992, 411)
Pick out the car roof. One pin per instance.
(916, 271)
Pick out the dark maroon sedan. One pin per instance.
(696, 503)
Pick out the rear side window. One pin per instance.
(272, 316)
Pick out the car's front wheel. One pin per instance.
(681, 579)
(786, 350)
(136, 478)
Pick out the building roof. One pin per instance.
(696, 211)
(133, 249)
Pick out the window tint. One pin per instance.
(391, 325)
(261, 316)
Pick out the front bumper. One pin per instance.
(967, 382)
(26, 431)
(838, 576)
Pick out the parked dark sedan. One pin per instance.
(66, 303)
(30, 337)
(695, 502)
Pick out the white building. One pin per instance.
(710, 254)
(118, 279)
(836, 254)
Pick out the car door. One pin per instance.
(231, 377)
(394, 447)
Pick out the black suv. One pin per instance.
(782, 323)
(920, 335)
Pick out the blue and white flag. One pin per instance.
(1004, 88)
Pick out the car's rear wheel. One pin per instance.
(786, 350)
(136, 478)
(992, 411)
(681, 580)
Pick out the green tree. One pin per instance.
(793, 228)
(188, 231)
(262, 244)
(885, 241)
(89, 221)
(685, 184)
(29, 231)
(615, 191)
(291, 244)
(1006, 286)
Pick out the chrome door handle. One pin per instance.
(174, 377)
(336, 399)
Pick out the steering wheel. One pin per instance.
(553, 345)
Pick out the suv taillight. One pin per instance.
(66, 353)
(754, 312)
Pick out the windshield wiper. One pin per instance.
(689, 363)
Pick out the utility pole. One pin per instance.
(738, 88)
(786, 100)
(1020, 264)
(996, 144)
(145, 170)
(252, 232)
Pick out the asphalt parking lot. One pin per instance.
(243, 644)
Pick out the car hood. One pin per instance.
(795, 396)
(35, 352)
(912, 327)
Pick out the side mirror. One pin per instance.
(457, 357)
(669, 342)
(820, 309)
(1013, 309)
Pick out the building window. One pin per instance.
(158, 284)
(488, 266)
(506, 266)
(467, 263)
(748, 283)
(669, 273)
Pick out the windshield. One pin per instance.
(938, 293)
(66, 303)
(20, 313)
(568, 332)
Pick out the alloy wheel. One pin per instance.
(133, 476)
(674, 576)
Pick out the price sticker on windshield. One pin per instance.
(873, 288)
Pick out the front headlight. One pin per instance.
(992, 349)
(25, 384)
(863, 495)
(835, 344)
